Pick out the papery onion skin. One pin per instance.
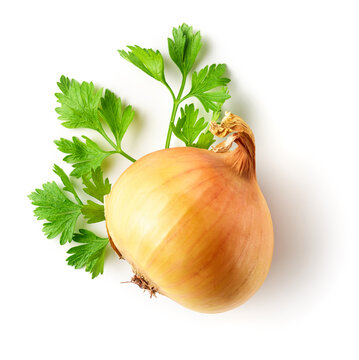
(192, 226)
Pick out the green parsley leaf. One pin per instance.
(67, 183)
(79, 104)
(90, 255)
(208, 79)
(99, 187)
(216, 114)
(188, 126)
(83, 156)
(53, 206)
(118, 119)
(184, 47)
(148, 60)
(64, 84)
(93, 212)
(205, 140)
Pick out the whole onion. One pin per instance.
(193, 223)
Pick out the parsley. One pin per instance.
(68, 186)
(60, 213)
(207, 79)
(83, 155)
(184, 49)
(205, 140)
(99, 187)
(93, 212)
(149, 61)
(82, 105)
(79, 104)
(118, 119)
(189, 127)
(91, 254)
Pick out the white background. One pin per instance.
(295, 79)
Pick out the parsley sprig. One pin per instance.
(62, 214)
(183, 50)
(83, 105)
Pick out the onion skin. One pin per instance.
(193, 225)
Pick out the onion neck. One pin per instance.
(242, 158)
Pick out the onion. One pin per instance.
(193, 223)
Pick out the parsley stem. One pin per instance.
(176, 102)
(126, 155)
(117, 148)
(173, 116)
(170, 90)
(186, 96)
(180, 92)
(78, 199)
(106, 137)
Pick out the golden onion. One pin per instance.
(193, 223)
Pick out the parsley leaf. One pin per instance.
(53, 206)
(64, 84)
(188, 126)
(90, 255)
(184, 47)
(83, 155)
(118, 119)
(99, 187)
(79, 104)
(148, 60)
(208, 79)
(67, 183)
(205, 140)
(93, 212)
